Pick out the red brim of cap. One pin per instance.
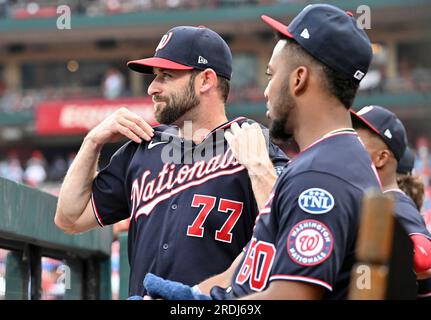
(280, 27)
(364, 121)
(147, 65)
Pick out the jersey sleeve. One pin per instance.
(411, 219)
(109, 196)
(316, 227)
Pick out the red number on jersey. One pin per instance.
(257, 265)
(247, 265)
(196, 229)
(225, 234)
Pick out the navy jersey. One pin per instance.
(192, 207)
(307, 230)
(408, 214)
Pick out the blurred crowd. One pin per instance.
(35, 170)
(115, 85)
(411, 78)
(27, 9)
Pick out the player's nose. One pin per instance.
(154, 88)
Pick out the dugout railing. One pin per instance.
(28, 233)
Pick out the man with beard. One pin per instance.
(190, 203)
(303, 243)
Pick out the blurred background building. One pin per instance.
(56, 84)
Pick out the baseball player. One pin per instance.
(304, 239)
(413, 186)
(385, 139)
(190, 202)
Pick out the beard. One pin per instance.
(277, 131)
(278, 127)
(177, 104)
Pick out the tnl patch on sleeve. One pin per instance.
(316, 201)
(310, 243)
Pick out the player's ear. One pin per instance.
(299, 80)
(207, 79)
(383, 156)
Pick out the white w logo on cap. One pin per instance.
(164, 41)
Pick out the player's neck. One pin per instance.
(202, 122)
(389, 181)
(315, 127)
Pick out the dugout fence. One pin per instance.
(28, 234)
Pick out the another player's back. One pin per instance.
(408, 215)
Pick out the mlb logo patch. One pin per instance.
(316, 201)
(309, 243)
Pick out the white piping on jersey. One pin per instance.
(394, 190)
(95, 211)
(348, 131)
(301, 278)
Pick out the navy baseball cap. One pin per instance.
(331, 36)
(187, 48)
(407, 162)
(386, 124)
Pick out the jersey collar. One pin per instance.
(337, 132)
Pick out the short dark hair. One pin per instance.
(224, 87)
(337, 84)
(223, 84)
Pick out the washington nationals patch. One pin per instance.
(309, 243)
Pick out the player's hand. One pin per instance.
(122, 123)
(248, 145)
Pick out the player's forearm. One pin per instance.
(263, 177)
(222, 280)
(75, 191)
